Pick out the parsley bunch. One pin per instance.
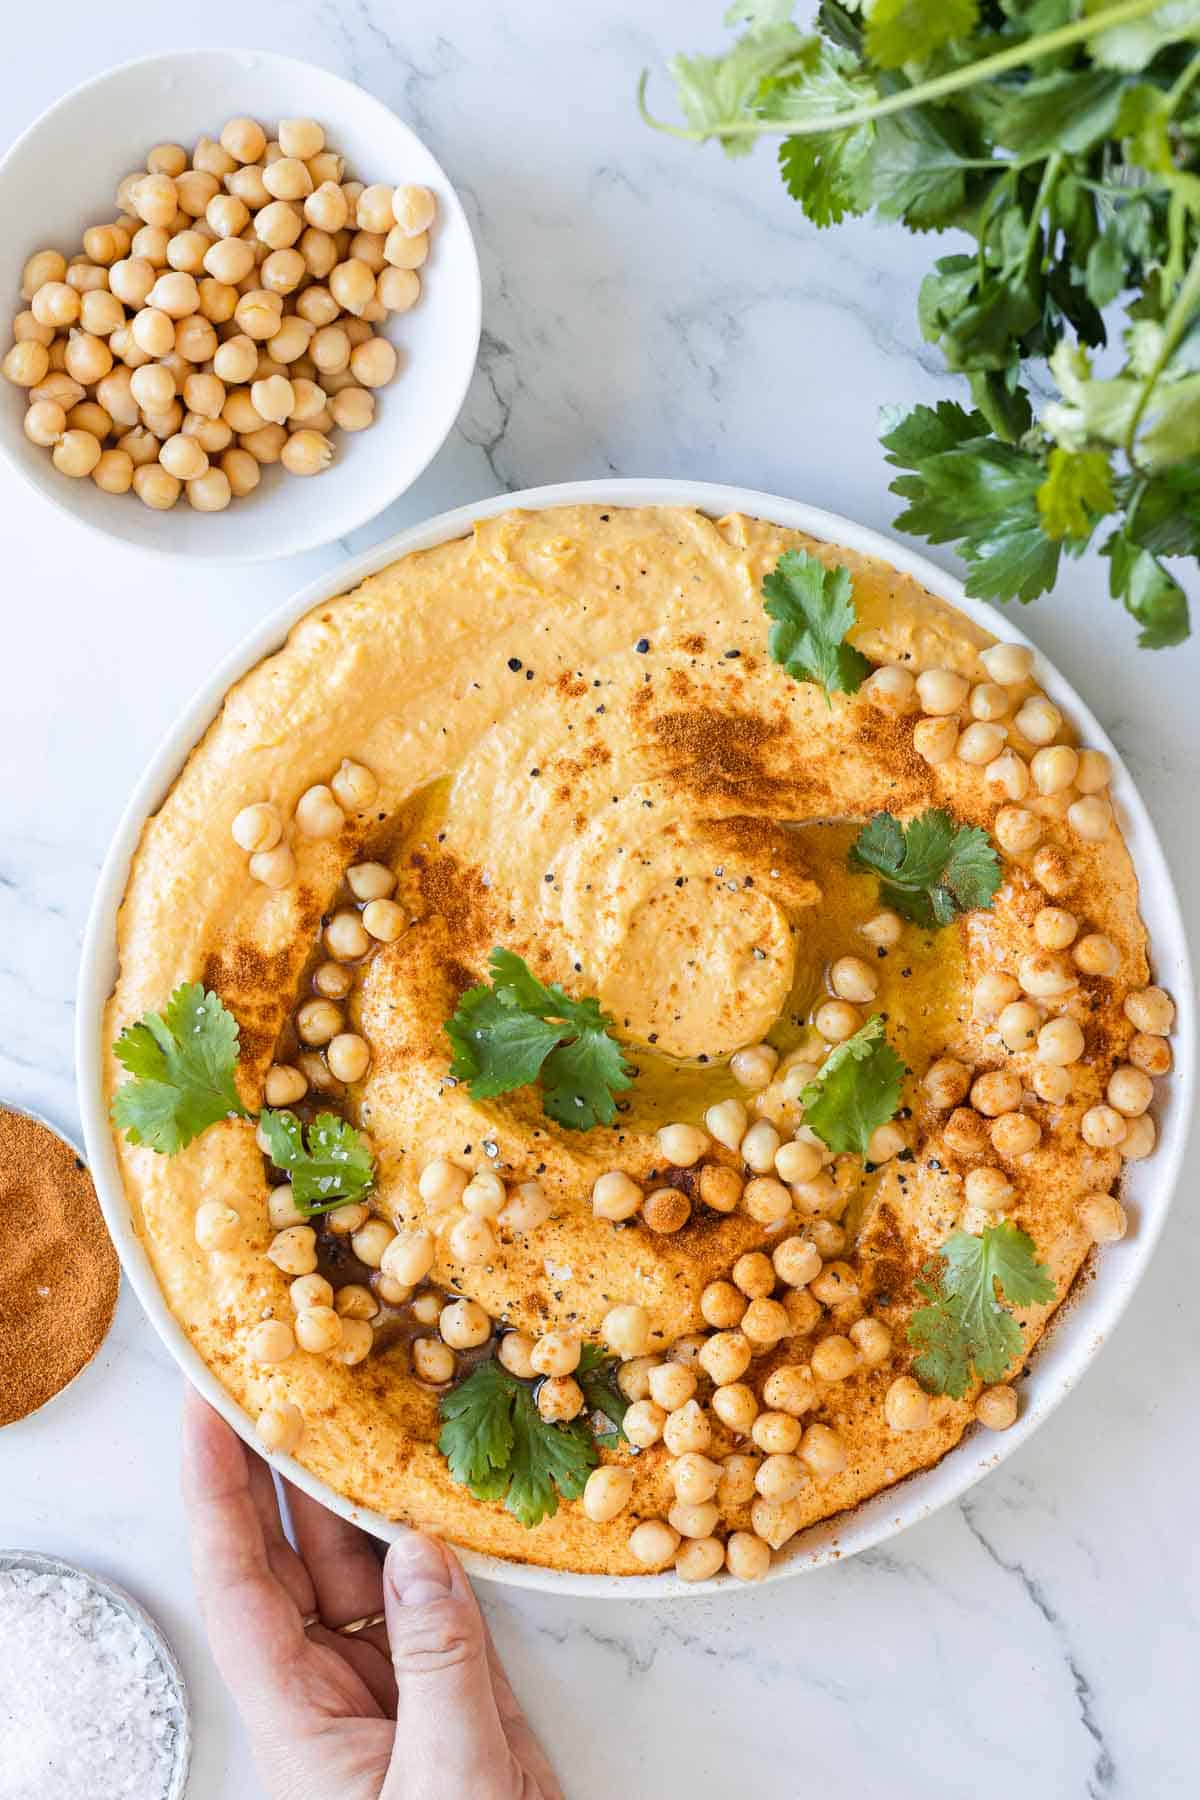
(1063, 137)
(514, 1031)
(183, 1064)
(963, 1326)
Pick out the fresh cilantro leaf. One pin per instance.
(497, 1444)
(813, 609)
(968, 485)
(506, 1035)
(930, 869)
(716, 90)
(827, 172)
(183, 1064)
(964, 1324)
(904, 31)
(1151, 596)
(597, 1376)
(1076, 492)
(856, 1090)
(1136, 42)
(1065, 111)
(333, 1167)
(919, 168)
(1166, 517)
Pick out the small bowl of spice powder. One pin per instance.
(59, 1272)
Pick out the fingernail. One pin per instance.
(416, 1570)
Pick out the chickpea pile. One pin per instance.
(223, 321)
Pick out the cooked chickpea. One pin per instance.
(433, 1363)
(294, 1250)
(183, 457)
(464, 1326)
(873, 1341)
(643, 1423)
(996, 1408)
(666, 1210)
(356, 1342)
(941, 691)
(906, 1405)
(1094, 771)
(307, 453)
(725, 1357)
(471, 1241)
(1015, 1134)
(257, 827)
(1103, 1218)
(853, 979)
(935, 740)
(1054, 769)
(1018, 1025)
(996, 1092)
(766, 1200)
(775, 1434)
(154, 332)
(700, 1558)
(216, 1226)
(27, 364)
(1007, 776)
(1090, 818)
(671, 1384)
(318, 1329)
(557, 1353)
(1130, 1090)
(980, 743)
(271, 1341)
(1139, 1139)
(373, 364)
(1103, 1127)
(349, 1057)
(1149, 1053)
(947, 1081)
(345, 1219)
(280, 1427)
(722, 1305)
(153, 387)
(834, 1358)
(607, 1493)
(1150, 1009)
(1096, 954)
(892, 689)
(45, 422)
(626, 1330)
(76, 453)
(397, 290)
(988, 702)
(1008, 664)
(274, 868)
(765, 1322)
(781, 1477)
(259, 315)
(1038, 720)
(687, 1428)
(56, 305)
(113, 473)
(88, 359)
(42, 267)
(653, 1543)
(836, 1020)
(822, 1452)
(747, 1557)
(1017, 830)
(1045, 976)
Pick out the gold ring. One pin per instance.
(350, 1630)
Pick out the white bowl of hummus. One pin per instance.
(60, 177)
(561, 722)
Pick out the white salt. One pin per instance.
(87, 1705)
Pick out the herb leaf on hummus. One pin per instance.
(597, 1376)
(813, 609)
(497, 1444)
(506, 1035)
(964, 1325)
(856, 1091)
(183, 1063)
(930, 869)
(335, 1165)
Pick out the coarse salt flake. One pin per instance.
(87, 1705)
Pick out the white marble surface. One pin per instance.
(649, 309)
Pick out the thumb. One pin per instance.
(449, 1736)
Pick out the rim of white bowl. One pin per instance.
(1081, 1326)
(318, 537)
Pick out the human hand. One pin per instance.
(414, 1710)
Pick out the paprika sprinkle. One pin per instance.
(58, 1270)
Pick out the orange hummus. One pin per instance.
(582, 751)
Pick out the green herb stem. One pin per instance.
(952, 82)
(1174, 326)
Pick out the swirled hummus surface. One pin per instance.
(585, 753)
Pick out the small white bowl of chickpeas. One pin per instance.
(243, 305)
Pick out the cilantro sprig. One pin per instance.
(813, 612)
(497, 1444)
(184, 1069)
(332, 1167)
(930, 869)
(964, 1327)
(516, 1030)
(597, 1376)
(856, 1090)
(183, 1062)
(1065, 140)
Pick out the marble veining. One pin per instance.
(649, 309)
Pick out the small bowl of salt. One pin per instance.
(92, 1699)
